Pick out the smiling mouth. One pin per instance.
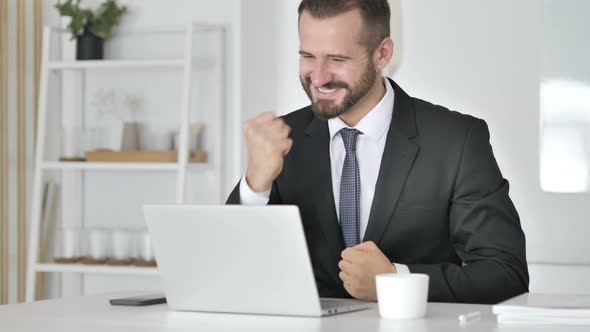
(324, 93)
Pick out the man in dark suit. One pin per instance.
(385, 183)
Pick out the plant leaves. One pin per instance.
(101, 22)
(107, 16)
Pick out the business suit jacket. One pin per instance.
(441, 205)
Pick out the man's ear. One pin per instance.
(383, 53)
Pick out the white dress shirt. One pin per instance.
(370, 145)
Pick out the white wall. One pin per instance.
(258, 65)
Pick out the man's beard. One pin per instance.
(327, 109)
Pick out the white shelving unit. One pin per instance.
(41, 166)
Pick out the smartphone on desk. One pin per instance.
(140, 300)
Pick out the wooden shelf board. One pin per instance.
(100, 269)
(132, 166)
(115, 64)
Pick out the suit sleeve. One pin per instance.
(485, 230)
(234, 196)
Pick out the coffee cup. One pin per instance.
(402, 295)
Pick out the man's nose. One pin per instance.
(321, 75)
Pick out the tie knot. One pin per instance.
(349, 137)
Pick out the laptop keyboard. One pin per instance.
(326, 303)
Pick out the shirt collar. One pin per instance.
(375, 123)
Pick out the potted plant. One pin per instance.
(89, 27)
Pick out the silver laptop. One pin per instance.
(238, 259)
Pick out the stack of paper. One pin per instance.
(544, 309)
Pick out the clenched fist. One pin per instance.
(268, 142)
(359, 266)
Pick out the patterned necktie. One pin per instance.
(350, 190)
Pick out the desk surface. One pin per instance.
(93, 313)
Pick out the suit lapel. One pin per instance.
(398, 157)
(397, 160)
(318, 147)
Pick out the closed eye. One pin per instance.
(338, 59)
(305, 55)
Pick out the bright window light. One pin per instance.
(565, 136)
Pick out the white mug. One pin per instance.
(402, 295)
(144, 246)
(123, 242)
(68, 243)
(99, 243)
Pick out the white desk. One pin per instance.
(93, 313)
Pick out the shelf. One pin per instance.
(114, 166)
(198, 27)
(109, 166)
(188, 63)
(115, 64)
(100, 269)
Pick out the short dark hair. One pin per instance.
(375, 13)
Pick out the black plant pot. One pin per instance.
(89, 47)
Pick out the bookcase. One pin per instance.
(183, 66)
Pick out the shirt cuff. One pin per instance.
(250, 197)
(401, 268)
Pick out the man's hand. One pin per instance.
(267, 138)
(359, 266)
